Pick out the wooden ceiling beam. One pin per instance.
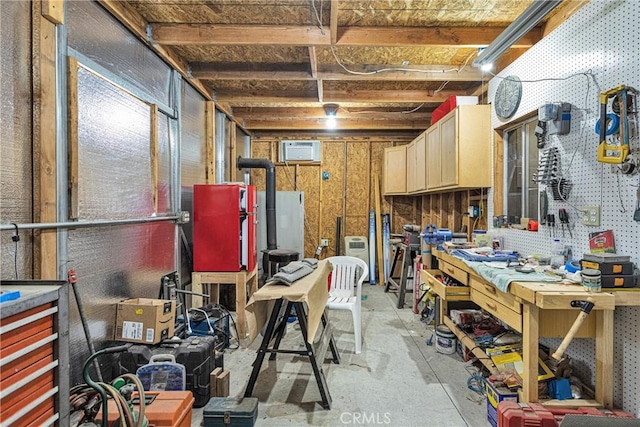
(296, 71)
(281, 113)
(561, 14)
(405, 96)
(320, 91)
(208, 34)
(313, 62)
(261, 97)
(300, 35)
(460, 37)
(333, 21)
(337, 96)
(320, 124)
(250, 71)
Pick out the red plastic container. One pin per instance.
(168, 409)
(512, 414)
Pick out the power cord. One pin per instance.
(16, 238)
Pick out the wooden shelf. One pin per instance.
(471, 344)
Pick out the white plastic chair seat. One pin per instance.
(346, 290)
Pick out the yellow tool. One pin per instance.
(610, 153)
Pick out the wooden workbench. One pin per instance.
(537, 309)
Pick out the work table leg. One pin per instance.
(604, 357)
(530, 337)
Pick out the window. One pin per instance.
(521, 155)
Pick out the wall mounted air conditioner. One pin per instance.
(299, 151)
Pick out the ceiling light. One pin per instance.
(330, 110)
(514, 32)
(487, 67)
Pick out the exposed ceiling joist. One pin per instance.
(320, 124)
(369, 113)
(270, 35)
(351, 96)
(460, 37)
(300, 35)
(333, 21)
(293, 71)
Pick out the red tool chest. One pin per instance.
(34, 367)
(224, 227)
(511, 414)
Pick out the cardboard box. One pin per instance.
(495, 395)
(144, 320)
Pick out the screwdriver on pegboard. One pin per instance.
(564, 220)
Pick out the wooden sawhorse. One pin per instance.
(316, 352)
(409, 252)
(240, 279)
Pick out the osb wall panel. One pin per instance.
(357, 189)
(333, 157)
(287, 178)
(259, 150)
(404, 212)
(377, 154)
(309, 182)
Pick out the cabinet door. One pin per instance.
(449, 150)
(394, 173)
(411, 167)
(433, 157)
(421, 162)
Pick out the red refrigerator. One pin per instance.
(224, 227)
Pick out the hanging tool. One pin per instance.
(585, 308)
(544, 206)
(551, 223)
(563, 215)
(636, 214)
(610, 153)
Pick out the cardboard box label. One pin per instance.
(139, 311)
(150, 334)
(132, 330)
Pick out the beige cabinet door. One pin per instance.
(433, 157)
(394, 172)
(421, 162)
(411, 167)
(449, 150)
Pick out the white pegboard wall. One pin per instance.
(601, 38)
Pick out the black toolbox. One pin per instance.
(609, 267)
(195, 353)
(230, 411)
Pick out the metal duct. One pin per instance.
(270, 169)
(220, 146)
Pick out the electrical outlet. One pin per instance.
(590, 215)
(324, 242)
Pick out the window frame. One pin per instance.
(526, 140)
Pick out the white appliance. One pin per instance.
(289, 222)
(357, 246)
(293, 151)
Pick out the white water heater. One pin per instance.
(357, 246)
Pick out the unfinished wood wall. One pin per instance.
(352, 164)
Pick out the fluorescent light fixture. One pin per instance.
(486, 67)
(514, 32)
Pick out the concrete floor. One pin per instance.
(397, 380)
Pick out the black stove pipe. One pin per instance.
(270, 169)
